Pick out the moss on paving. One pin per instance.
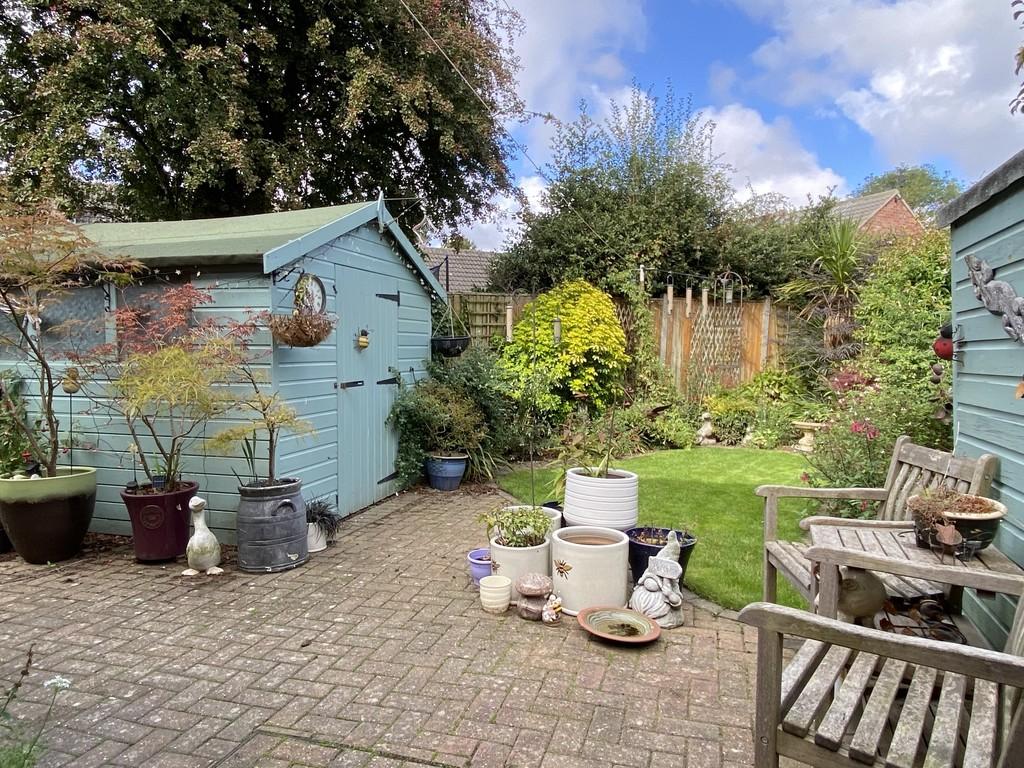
(710, 492)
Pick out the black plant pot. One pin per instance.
(640, 552)
(449, 346)
(5, 543)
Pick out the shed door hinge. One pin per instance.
(348, 384)
(395, 297)
(392, 380)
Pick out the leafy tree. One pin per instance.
(641, 188)
(151, 109)
(922, 186)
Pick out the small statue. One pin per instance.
(706, 433)
(203, 550)
(552, 613)
(533, 589)
(861, 595)
(657, 595)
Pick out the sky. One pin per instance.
(806, 96)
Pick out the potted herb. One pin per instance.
(322, 523)
(43, 257)
(595, 493)
(645, 543)
(519, 542)
(437, 428)
(962, 522)
(271, 525)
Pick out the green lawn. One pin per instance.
(710, 492)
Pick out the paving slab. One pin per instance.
(374, 654)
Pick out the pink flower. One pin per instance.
(805, 478)
(864, 506)
(857, 427)
(870, 431)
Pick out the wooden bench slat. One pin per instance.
(815, 695)
(945, 736)
(799, 670)
(981, 735)
(865, 744)
(789, 559)
(906, 737)
(835, 722)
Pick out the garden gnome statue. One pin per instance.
(203, 550)
(657, 595)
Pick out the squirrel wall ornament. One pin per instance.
(999, 297)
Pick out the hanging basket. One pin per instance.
(449, 346)
(300, 330)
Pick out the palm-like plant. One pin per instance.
(829, 287)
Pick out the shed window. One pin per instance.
(75, 321)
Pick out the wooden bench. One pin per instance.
(912, 468)
(853, 697)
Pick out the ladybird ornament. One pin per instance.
(943, 348)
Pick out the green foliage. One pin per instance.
(903, 303)
(476, 375)
(587, 364)
(433, 417)
(22, 746)
(763, 408)
(923, 188)
(518, 526)
(641, 187)
(13, 415)
(157, 110)
(322, 513)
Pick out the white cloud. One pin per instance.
(768, 156)
(924, 78)
(495, 232)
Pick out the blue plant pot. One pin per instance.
(444, 473)
(479, 564)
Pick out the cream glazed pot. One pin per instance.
(513, 562)
(607, 502)
(589, 566)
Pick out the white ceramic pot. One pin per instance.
(556, 518)
(513, 562)
(316, 539)
(605, 502)
(589, 567)
(495, 593)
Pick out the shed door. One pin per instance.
(367, 303)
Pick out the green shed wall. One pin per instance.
(988, 418)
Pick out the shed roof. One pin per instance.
(991, 185)
(269, 239)
(469, 269)
(861, 209)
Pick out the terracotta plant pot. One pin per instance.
(160, 522)
(589, 565)
(47, 518)
(605, 502)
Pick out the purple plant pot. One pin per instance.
(479, 564)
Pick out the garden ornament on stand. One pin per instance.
(203, 550)
(657, 595)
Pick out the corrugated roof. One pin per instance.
(861, 209)
(236, 239)
(468, 269)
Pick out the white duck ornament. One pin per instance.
(203, 550)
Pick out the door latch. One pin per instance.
(348, 384)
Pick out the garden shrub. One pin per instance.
(903, 303)
(13, 442)
(587, 365)
(763, 408)
(433, 417)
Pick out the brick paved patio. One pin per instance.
(373, 654)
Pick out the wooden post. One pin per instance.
(670, 298)
(766, 322)
(508, 322)
(689, 300)
(703, 299)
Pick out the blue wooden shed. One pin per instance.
(987, 228)
(375, 283)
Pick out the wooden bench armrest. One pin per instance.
(806, 492)
(965, 660)
(846, 522)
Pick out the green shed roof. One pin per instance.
(271, 240)
(233, 240)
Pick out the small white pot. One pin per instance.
(605, 502)
(495, 593)
(316, 539)
(589, 567)
(513, 562)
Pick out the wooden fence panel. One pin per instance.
(721, 344)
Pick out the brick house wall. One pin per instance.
(893, 218)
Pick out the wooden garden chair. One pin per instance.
(912, 468)
(853, 696)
